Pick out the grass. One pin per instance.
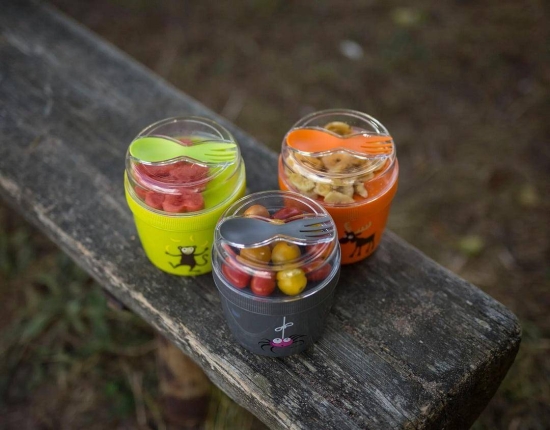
(67, 360)
(62, 349)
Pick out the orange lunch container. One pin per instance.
(346, 160)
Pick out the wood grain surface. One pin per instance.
(408, 344)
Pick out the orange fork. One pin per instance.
(313, 140)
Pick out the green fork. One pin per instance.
(154, 149)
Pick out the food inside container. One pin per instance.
(181, 175)
(337, 162)
(276, 264)
(276, 245)
(346, 161)
(184, 167)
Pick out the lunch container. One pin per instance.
(346, 161)
(276, 263)
(181, 175)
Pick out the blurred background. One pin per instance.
(463, 87)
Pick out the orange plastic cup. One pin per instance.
(346, 160)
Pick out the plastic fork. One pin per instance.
(154, 149)
(316, 140)
(246, 232)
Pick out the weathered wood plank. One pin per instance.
(408, 344)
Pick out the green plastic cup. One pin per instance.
(177, 202)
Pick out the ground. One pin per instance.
(463, 87)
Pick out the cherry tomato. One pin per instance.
(236, 277)
(257, 210)
(262, 286)
(321, 249)
(284, 251)
(261, 253)
(319, 273)
(291, 281)
(286, 212)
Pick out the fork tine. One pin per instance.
(218, 152)
(326, 227)
(220, 155)
(315, 221)
(376, 151)
(222, 149)
(210, 157)
(319, 228)
(317, 236)
(382, 146)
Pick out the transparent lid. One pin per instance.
(338, 157)
(276, 244)
(182, 165)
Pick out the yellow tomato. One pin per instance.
(291, 281)
(261, 253)
(284, 251)
(258, 210)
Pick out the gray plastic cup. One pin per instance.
(276, 296)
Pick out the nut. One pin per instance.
(313, 162)
(322, 189)
(340, 162)
(346, 190)
(336, 197)
(360, 189)
(302, 183)
(339, 127)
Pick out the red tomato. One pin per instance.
(319, 274)
(236, 277)
(262, 286)
(286, 213)
(322, 249)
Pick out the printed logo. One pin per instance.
(282, 342)
(187, 257)
(353, 237)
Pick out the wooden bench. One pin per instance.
(407, 345)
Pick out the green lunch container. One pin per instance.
(181, 175)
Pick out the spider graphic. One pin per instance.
(282, 342)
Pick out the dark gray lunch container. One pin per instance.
(268, 309)
(277, 327)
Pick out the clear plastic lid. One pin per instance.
(276, 244)
(183, 165)
(338, 157)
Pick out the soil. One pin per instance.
(463, 87)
